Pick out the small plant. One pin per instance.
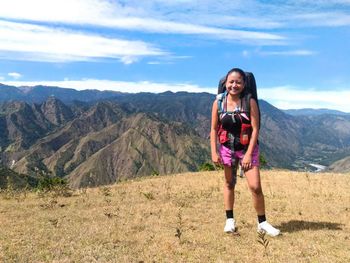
(307, 177)
(264, 242)
(83, 192)
(110, 214)
(50, 203)
(13, 192)
(181, 202)
(21, 195)
(9, 192)
(180, 226)
(105, 191)
(167, 187)
(149, 195)
(155, 173)
(54, 222)
(62, 190)
(271, 190)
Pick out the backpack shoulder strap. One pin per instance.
(221, 101)
(222, 85)
(246, 104)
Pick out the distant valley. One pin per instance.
(93, 137)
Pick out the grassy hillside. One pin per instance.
(179, 218)
(340, 166)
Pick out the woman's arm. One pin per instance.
(214, 133)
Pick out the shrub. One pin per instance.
(56, 185)
(48, 183)
(263, 161)
(207, 167)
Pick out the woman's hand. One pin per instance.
(247, 162)
(216, 159)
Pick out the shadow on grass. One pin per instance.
(299, 225)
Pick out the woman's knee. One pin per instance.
(256, 189)
(229, 184)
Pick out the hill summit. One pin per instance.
(180, 218)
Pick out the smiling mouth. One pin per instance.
(234, 89)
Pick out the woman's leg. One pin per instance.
(254, 184)
(229, 199)
(229, 189)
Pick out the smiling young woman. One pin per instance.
(235, 122)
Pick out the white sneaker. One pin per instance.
(229, 226)
(268, 229)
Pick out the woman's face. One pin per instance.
(234, 83)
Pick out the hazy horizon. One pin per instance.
(296, 49)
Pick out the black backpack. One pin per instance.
(250, 88)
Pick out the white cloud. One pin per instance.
(246, 53)
(123, 86)
(169, 27)
(219, 19)
(259, 52)
(154, 63)
(226, 20)
(287, 53)
(125, 16)
(319, 3)
(329, 19)
(40, 43)
(285, 97)
(240, 21)
(293, 98)
(128, 59)
(14, 75)
(68, 11)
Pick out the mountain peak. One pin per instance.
(56, 111)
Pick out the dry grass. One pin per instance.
(180, 218)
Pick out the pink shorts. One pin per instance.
(226, 155)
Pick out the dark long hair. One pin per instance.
(238, 70)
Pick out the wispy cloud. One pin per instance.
(41, 43)
(177, 17)
(14, 75)
(260, 52)
(321, 19)
(169, 27)
(240, 21)
(288, 53)
(131, 16)
(319, 3)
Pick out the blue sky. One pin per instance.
(297, 50)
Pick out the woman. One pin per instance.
(236, 125)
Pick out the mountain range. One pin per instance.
(310, 112)
(108, 136)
